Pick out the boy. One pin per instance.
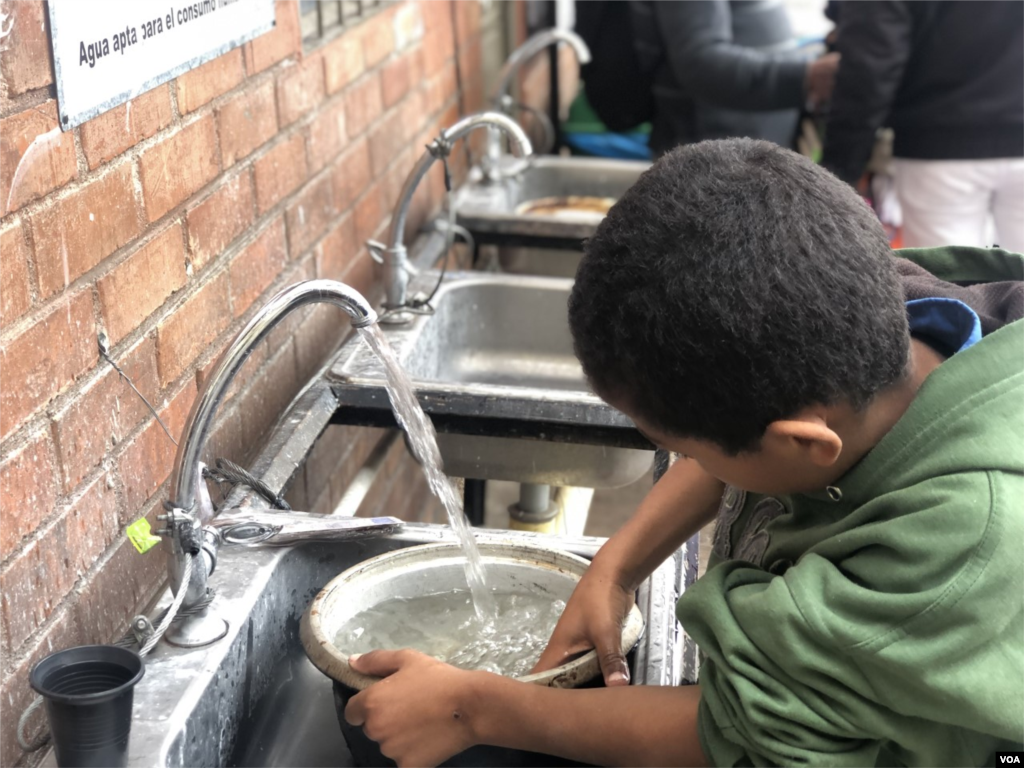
(863, 453)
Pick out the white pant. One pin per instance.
(957, 202)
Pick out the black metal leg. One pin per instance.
(473, 500)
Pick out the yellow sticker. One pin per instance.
(141, 536)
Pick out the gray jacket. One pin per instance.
(722, 68)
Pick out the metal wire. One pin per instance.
(229, 472)
(123, 375)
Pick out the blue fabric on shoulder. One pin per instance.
(948, 322)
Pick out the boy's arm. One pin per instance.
(680, 504)
(424, 712)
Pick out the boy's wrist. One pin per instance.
(478, 698)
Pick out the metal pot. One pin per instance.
(430, 569)
(433, 568)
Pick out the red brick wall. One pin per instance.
(166, 225)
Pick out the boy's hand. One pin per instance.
(593, 618)
(417, 713)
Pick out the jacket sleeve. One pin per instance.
(709, 66)
(874, 40)
(894, 640)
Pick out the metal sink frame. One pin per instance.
(252, 698)
(495, 370)
(488, 209)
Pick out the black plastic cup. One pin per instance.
(88, 692)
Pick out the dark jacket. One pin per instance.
(726, 69)
(946, 75)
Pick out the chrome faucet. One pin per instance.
(189, 522)
(500, 98)
(394, 257)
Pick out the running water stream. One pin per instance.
(423, 442)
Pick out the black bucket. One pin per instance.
(366, 752)
(88, 692)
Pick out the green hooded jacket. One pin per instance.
(882, 624)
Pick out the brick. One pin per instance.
(106, 411)
(300, 89)
(203, 84)
(327, 136)
(467, 21)
(51, 165)
(436, 14)
(121, 128)
(15, 297)
(42, 575)
(411, 111)
(369, 213)
(179, 166)
(76, 233)
(246, 122)
(282, 41)
(407, 25)
(45, 358)
(272, 391)
(470, 61)
(140, 284)
(147, 460)
(189, 331)
(442, 88)
(364, 104)
(123, 588)
(215, 223)
(386, 143)
(378, 37)
(256, 267)
(319, 335)
(26, 63)
(310, 215)
(361, 443)
(363, 275)
(15, 692)
(279, 172)
(27, 491)
(394, 79)
(438, 43)
(336, 251)
(351, 175)
(343, 62)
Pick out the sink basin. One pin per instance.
(489, 210)
(252, 698)
(495, 370)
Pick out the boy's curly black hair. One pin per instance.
(735, 283)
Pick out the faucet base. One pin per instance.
(196, 631)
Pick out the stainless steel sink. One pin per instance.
(488, 210)
(495, 369)
(252, 698)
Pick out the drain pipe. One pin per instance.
(534, 510)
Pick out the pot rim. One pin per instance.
(326, 657)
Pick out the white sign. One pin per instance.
(106, 52)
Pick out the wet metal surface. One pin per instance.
(488, 209)
(495, 371)
(209, 707)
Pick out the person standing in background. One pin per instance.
(948, 77)
(726, 69)
(699, 69)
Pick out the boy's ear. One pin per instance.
(808, 434)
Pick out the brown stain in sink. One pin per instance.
(567, 206)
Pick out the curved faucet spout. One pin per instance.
(186, 475)
(396, 279)
(531, 48)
